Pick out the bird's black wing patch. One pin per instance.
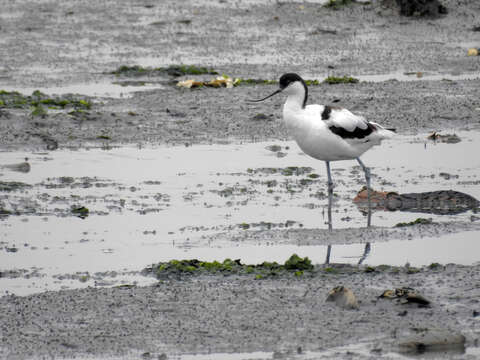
(327, 111)
(357, 133)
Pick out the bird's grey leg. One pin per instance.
(368, 247)
(330, 200)
(366, 170)
(330, 195)
(329, 250)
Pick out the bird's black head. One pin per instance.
(285, 81)
(289, 78)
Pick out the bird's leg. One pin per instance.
(368, 247)
(330, 199)
(329, 250)
(330, 195)
(366, 170)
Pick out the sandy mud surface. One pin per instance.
(287, 316)
(103, 174)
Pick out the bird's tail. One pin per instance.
(384, 133)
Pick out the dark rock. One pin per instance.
(433, 202)
(441, 202)
(343, 297)
(426, 8)
(447, 138)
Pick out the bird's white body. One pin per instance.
(327, 133)
(313, 135)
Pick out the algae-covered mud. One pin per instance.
(147, 210)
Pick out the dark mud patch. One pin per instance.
(288, 312)
(8, 186)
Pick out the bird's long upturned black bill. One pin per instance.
(265, 98)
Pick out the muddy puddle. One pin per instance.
(101, 88)
(362, 350)
(98, 216)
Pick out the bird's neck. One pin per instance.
(297, 96)
(293, 115)
(294, 107)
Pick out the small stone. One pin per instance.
(260, 117)
(343, 297)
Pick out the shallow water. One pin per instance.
(157, 204)
(100, 88)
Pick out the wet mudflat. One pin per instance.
(254, 202)
(126, 170)
(218, 314)
(77, 216)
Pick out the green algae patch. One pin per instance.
(4, 212)
(413, 270)
(172, 70)
(332, 80)
(434, 266)
(295, 262)
(104, 137)
(294, 265)
(331, 270)
(39, 101)
(39, 111)
(244, 226)
(80, 211)
(419, 221)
